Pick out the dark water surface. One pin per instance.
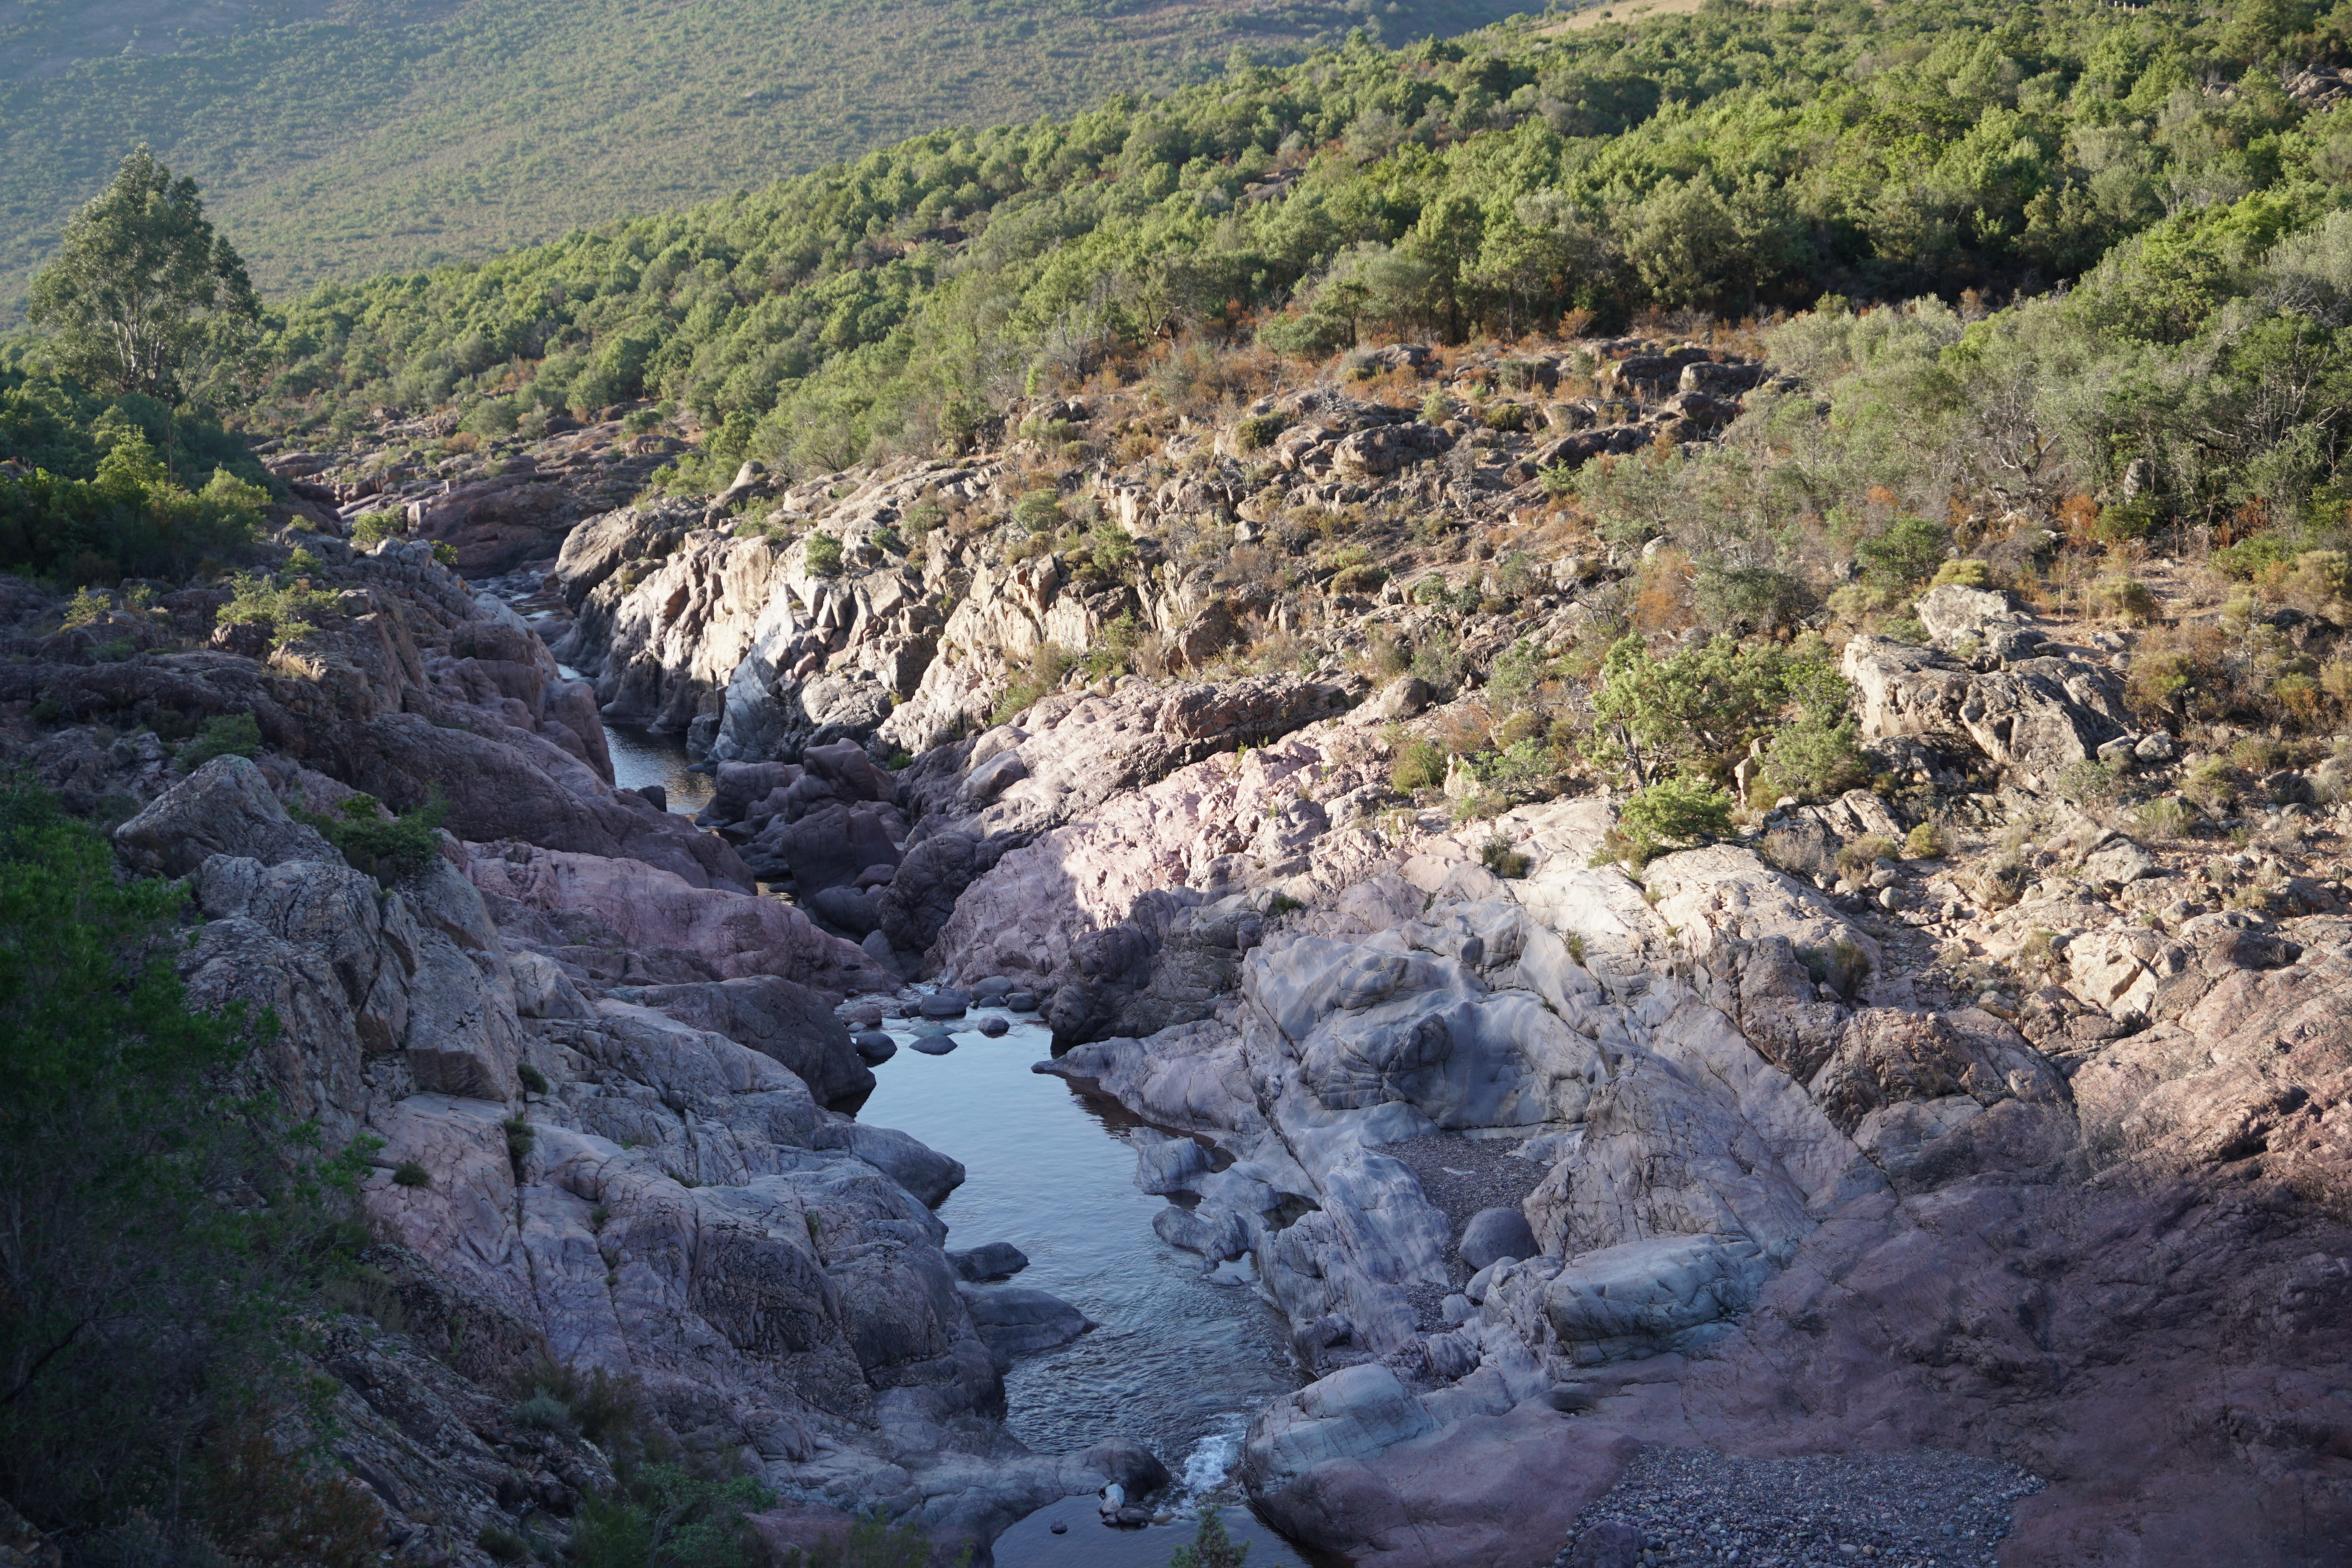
(1177, 1362)
(641, 758)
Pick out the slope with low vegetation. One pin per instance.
(340, 139)
(1734, 161)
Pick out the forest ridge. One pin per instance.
(336, 139)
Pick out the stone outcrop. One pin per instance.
(2036, 716)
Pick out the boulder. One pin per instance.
(923, 1171)
(729, 934)
(778, 1018)
(1494, 1234)
(1646, 1298)
(989, 1260)
(225, 807)
(1015, 1321)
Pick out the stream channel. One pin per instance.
(1175, 1360)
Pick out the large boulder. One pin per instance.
(778, 1018)
(225, 807)
(2037, 717)
(498, 523)
(733, 933)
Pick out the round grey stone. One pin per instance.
(1021, 1001)
(873, 1047)
(993, 1026)
(932, 1044)
(944, 1005)
(1494, 1234)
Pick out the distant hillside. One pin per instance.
(335, 138)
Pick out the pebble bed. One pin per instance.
(1924, 1509)
(1461, 1176)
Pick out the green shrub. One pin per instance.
(1924, 841)
(1857, 857)
(1039, 511)
(1043, 678)
(2121, 522)
(408, 1173)
(1212, 1547)
(131, 518)
(386, 848)
(87, 605)
(369, 529)
(224, 735)
(166, 1227)
(1497, 856)
(286, 611)
(2123, 598)
(1506, 416)
(1966, 572)
(1419, 765)
(2249, 558)
(2211, 784)
(1673, 812)
(2089, 782)
(1258, 432)
(541, 1412)
(665, 1516)
(1745, 599)
(503, 1544)
(2161, 820)
(1907, 552)
(824, 555)
(531, 1078)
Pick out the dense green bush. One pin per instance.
(163, 1226)
(385, 846)
(1697, 711)
(1419, 765)
(1669, 812)
(224, 735)
(129, 519)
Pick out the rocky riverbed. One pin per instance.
(1808, 1190)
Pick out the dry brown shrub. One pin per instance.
(1464, 729)
(1661, 600)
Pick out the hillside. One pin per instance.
(1729, 163)
(338, 138)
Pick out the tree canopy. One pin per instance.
(143, 296)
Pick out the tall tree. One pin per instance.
(143, 295)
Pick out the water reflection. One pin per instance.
(1177, 1362)
(641, 758)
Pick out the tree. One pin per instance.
(157, 1225)
(143, 295)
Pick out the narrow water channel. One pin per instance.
(1174, 1361)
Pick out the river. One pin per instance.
(1175, 1361)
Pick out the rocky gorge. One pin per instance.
(2006, 1160)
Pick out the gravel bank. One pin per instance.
(1462, 1175)
(1695, 1507)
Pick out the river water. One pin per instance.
(1176, 1361)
